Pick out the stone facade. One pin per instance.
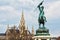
(58, 38)
(20, 33)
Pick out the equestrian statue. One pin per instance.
(41, 18)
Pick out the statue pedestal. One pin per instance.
(42, 37)
(42, 31)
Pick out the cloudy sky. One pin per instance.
(11, 10)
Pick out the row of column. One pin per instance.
(41, 39)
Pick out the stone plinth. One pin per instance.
(42, 32)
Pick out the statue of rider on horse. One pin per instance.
(41, 18)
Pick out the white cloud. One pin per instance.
(52, 11)
(9, 12)
(9, 15)
(7, 8)
(3, 28)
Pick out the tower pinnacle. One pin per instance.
(8, 26)
(22, 23)
(32, 30)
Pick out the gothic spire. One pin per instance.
(22, 22)
(32, 30)
(8, 26)
(26, 28)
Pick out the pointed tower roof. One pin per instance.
(22, 22)
(26, 28)
(7, 29)
(8, 26)
(32, 30)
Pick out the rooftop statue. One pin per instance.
(41, 18)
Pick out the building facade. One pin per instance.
(20, 33)
(58, 38)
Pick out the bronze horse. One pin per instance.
(42, 18)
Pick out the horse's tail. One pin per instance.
(45, 19)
